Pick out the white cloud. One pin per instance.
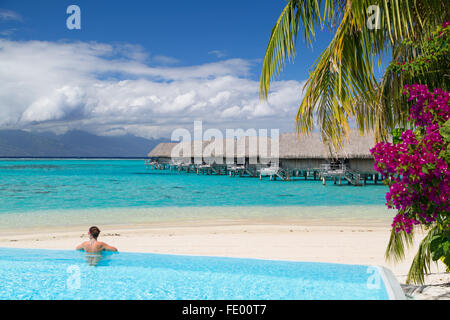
(7, 32)
(231, 112)
(165, 60)
(110, 89)
(59, 105)
(181, 102)
(220, 98)
(9, 15)
(218, 53)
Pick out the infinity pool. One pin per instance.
(50, 274)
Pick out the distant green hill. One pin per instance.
(17, 143)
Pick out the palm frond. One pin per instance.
(397, 245)
(421, 263)
(342, 86)
(283, 39)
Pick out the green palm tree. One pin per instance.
(342, 86)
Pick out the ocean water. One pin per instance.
(49, 274)
(33, 191)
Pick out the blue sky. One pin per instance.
(193, 32)
(144, 67)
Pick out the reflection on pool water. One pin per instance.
(51, 274)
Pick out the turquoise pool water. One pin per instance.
(48, 274)
(30, 185)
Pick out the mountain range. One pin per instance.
(78, 144)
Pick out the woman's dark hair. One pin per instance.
(94, 232)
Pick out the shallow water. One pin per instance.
(29, 185)
(317, 215)
(37, 193)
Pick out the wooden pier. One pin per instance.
(338, 173)
(341, 172)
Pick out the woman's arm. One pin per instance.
(80, 247)
(107, 247)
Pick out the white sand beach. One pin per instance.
(350, 244)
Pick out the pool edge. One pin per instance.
(391, 283)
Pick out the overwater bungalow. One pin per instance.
(356, 153)
(220, 152)
(180, 154)
(161, 155)
(309, 155)
(243, 156)
(294, 156)
(307, 152)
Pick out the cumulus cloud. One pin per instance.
(60, 105)
(113, 89)
(165, 60)
(9, 15)
(7, 32)
(217, 53)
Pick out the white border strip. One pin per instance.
(393, 288)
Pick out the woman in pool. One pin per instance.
(94, 246)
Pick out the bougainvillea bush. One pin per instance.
(417, 169)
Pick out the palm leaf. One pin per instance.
(283, 39)
(341, 86)
(397, 245)
(422, 260)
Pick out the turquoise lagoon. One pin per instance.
(46, 192)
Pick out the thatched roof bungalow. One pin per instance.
(189, 151)
(163, 152)
(294, 152)
(306, 152)
(356, 152)
(220, 151)
(258, 150)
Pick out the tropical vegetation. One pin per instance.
(342, 89)
(417, 171)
